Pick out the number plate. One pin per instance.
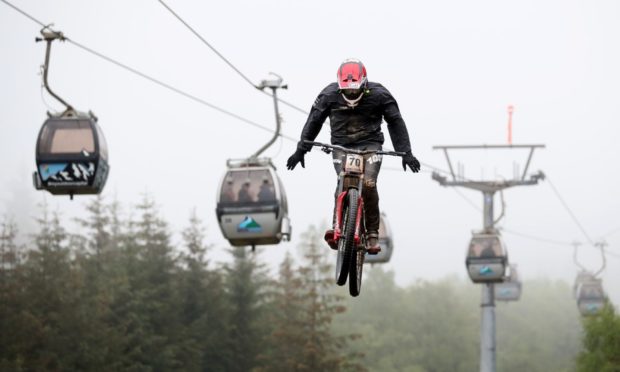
(354, 163)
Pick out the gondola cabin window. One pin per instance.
(67, 137)
(243, 187)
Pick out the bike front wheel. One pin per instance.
(346, 242)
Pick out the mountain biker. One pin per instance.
(355, 108)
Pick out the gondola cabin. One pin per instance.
(486, 258)
(386, 243)
(510, 289)
(251, 204)
(71, 155)
(589, 294)
(582, 277)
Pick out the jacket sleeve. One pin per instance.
(316, 118)
(396, 124)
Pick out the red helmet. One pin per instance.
(352, 75)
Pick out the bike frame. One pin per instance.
(358, 237)
(352, 242)
(352, 180)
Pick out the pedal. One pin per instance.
(373, 251)
(329, 238)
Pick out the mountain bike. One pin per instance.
(349, 218)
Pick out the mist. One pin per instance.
(454, 67)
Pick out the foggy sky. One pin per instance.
(453, 67)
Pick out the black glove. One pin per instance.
(412, 162)
(297, 157)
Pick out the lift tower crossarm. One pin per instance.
(488, 186)
(485, 146)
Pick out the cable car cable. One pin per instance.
(543, 240)
(176, 90)
(180, 19)
(150, 78)
(469, 201)
(226, 60)
(550, 241)
(24, 13)
(179, 91)
(611, 232)
(207, 43)
(247, 121)
(569, 211)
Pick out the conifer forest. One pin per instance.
(114, 293)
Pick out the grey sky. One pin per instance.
(453, 66)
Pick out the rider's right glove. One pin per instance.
(411, 161)
(298, 156)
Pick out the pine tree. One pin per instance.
(97, 225)
(10, 299)
(9, 255)
(98, 257)
(601, 342)
(51, 316)
(201, 300)
(286, 339)
(246, 283)
(322, 350)
(145, 308)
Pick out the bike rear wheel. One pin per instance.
(355, 272)
(357, 264)
(346, 243)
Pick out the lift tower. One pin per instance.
(488, 189)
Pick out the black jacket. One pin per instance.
(360, 125)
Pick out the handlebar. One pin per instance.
(329, 148)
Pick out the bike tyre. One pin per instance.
(355, 271)
(346, 243)
(356, 266)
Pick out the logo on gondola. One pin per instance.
(67, 172)
(51, 170)
(485, 270)
(249, 225)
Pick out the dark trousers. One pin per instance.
(372, 165)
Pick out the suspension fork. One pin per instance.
(339, 208)
(358, 220)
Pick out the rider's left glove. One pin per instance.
(412, 162)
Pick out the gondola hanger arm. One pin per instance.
(274, 85)
(49, 36)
